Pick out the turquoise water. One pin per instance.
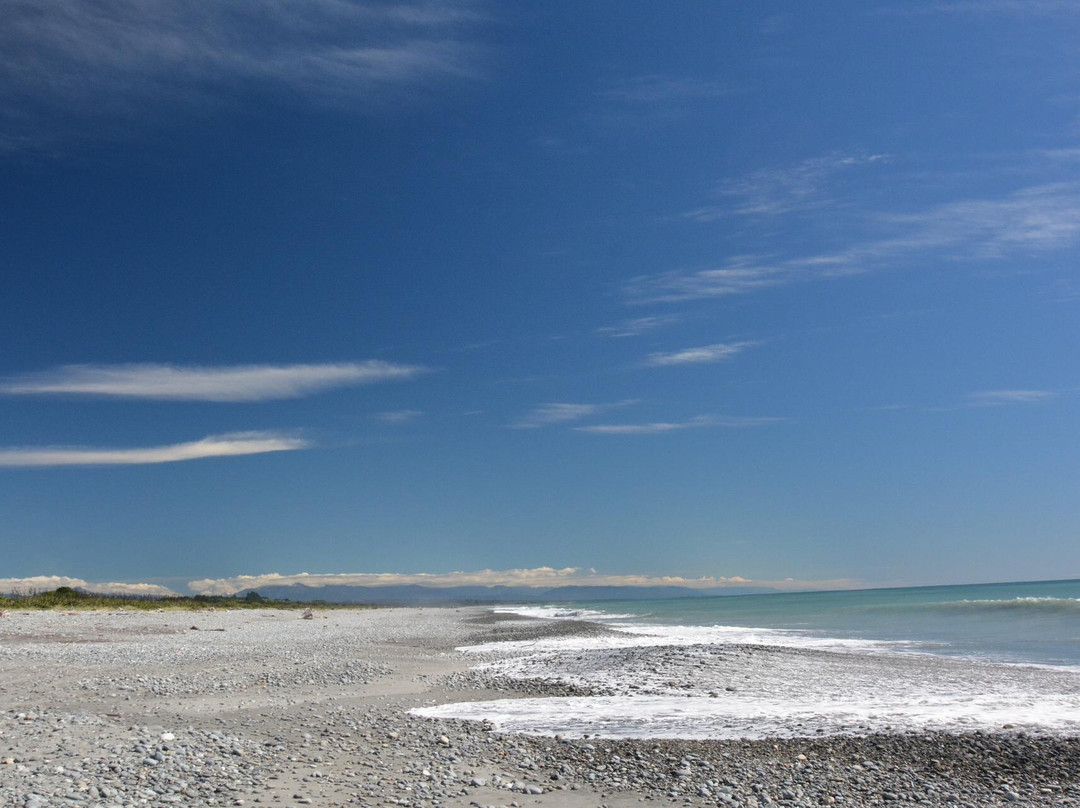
(1030, 622)
(800, 665)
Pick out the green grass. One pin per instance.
(67, 598)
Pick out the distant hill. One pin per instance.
(414, 594)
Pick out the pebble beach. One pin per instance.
(262, 707)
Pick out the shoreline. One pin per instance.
(265, 708)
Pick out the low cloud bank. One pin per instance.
(46, 583)
(539, 578)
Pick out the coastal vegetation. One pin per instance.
(65, 597)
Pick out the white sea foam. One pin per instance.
(733, 717)
(1014, 604)
(733, 682)
(642, 635)
(561, 613)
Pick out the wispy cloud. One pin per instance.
(636, 327)
(658, 427)
(1027, 8)
(739, 277)
(191, 383)
(539, 577)
(1029, 221)
(231, 445)
(398, 417)
(1064, 155)
(561, 413)
(43, 583)
(773, 191)
(993, 398)
(122, 59)
(696, 356)
(1039, 218)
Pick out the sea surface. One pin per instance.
(989, 657)
(1033, 622)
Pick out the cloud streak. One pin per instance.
(539, 577)
(774, 191)
(994, 398)
(979, 8)
(231, 445)
(1029, 221)
(191, 383)
(636, 327)
(561, 413)
(659, 427)
(1035, 219)
(121, 59)
(398, 417)
(696, 356)
(739, 277)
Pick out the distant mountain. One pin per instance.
(414, 594)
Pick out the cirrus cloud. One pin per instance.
(739, 276)
(701, 421)
(122, 62)
(398, 417)
(775, 191)
(194, 383)
(636, 327)
(561, 413)
(992, 398)
(1030, 221)
(695, 356)
(232, 445)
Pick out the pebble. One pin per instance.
(305, 747)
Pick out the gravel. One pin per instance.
(138, 709)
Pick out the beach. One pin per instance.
(262, 707)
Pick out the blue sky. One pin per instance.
(708, 291)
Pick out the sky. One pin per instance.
(714, 293)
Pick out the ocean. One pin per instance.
(988, 657)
